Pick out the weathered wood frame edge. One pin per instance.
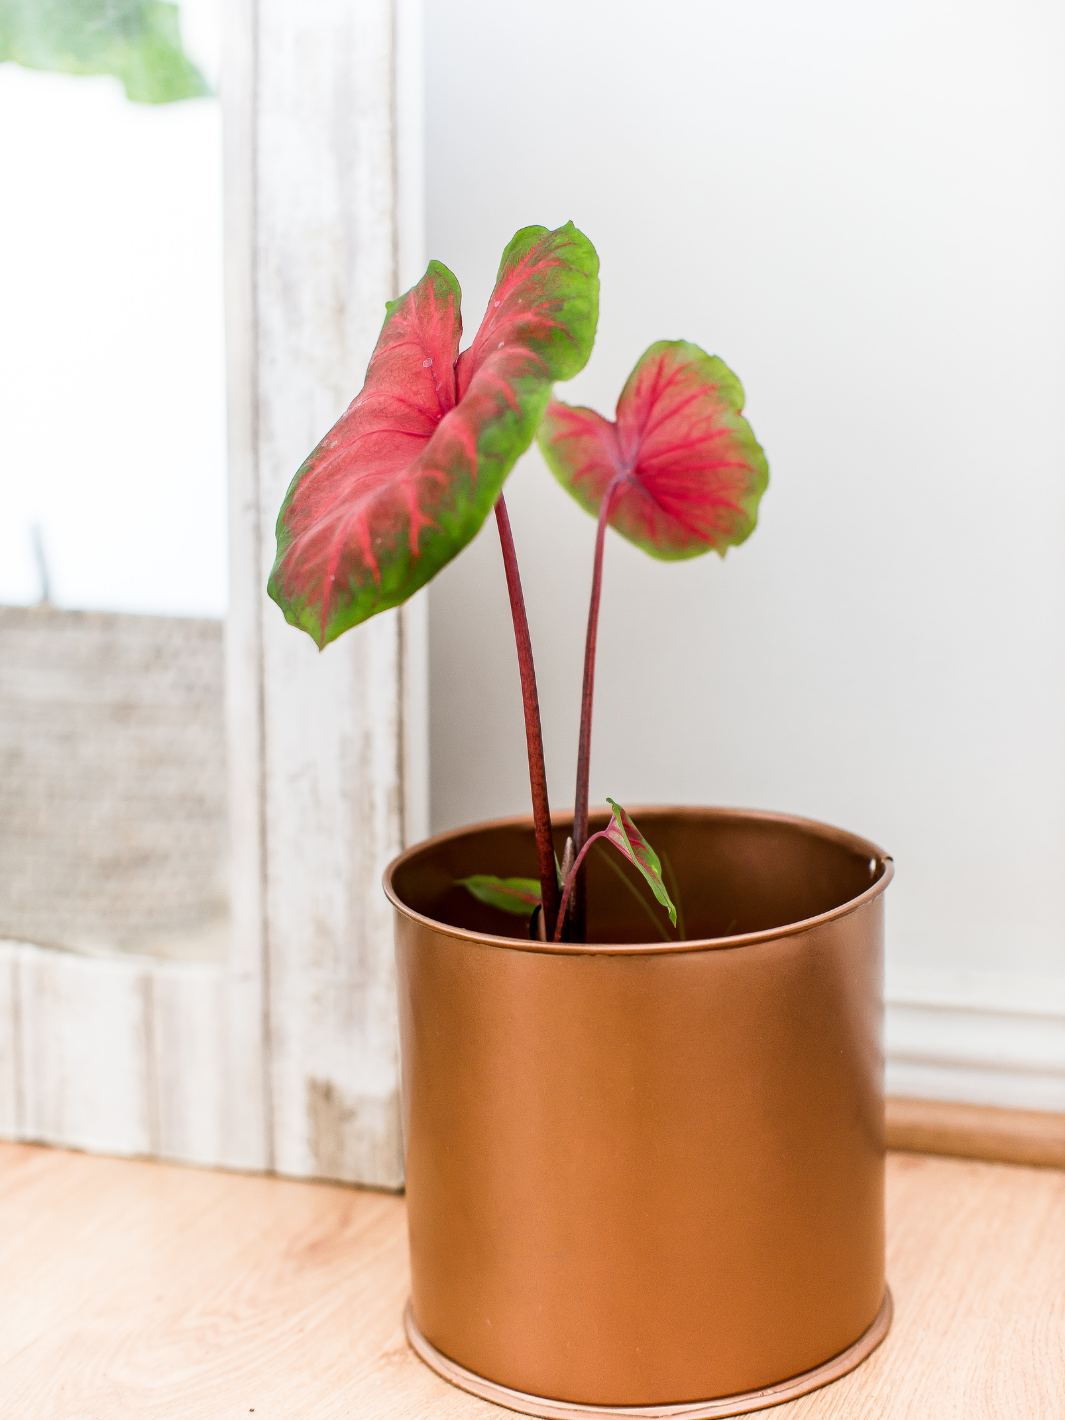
(285, 1058)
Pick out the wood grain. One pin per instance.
(142, 1291)
(976, 1131)
(328, 776)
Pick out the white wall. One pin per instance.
(862, 209)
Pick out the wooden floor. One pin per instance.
(154, 1292)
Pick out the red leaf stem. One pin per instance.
(545, 851)
(571, 883)
(631, 844)
(584, 746)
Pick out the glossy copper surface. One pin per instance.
(646, 1174)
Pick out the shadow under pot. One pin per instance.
(646, 1178)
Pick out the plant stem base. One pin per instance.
(690, 1410)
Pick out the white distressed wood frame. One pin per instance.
(285, 1058)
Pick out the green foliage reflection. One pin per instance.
(139, 41)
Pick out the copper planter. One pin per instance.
(647, 1178)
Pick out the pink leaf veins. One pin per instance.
(684, 469)
(407, 475)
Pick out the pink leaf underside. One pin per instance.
(383, 471)
(689, 473)
(631, 841)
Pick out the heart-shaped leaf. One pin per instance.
(405, 478)
(687, 472)
(629, 841)
(518, 895)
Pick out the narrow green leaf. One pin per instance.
(619, 872)
(629, 841)
(517, 895)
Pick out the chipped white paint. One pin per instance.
(335, 759)
(82, 1084)
(284, 1057)
(124, 1055)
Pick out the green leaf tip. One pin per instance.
(628, 839)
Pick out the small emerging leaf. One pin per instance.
(517, 895)
(689, 470)
(630, 842)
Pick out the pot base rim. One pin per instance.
(739, 1404)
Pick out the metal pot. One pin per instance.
(647, 1177)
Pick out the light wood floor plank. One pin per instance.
(140, 1291)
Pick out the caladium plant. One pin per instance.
(678, 472)
(408, 474)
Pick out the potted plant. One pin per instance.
(642, 1085)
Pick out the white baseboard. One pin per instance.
(976, 1037)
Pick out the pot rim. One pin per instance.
(825, 831)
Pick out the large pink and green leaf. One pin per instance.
(684, 469)
(405, 478)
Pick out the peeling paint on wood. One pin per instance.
(327, 755)
(352, 1139)
(341, 770)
